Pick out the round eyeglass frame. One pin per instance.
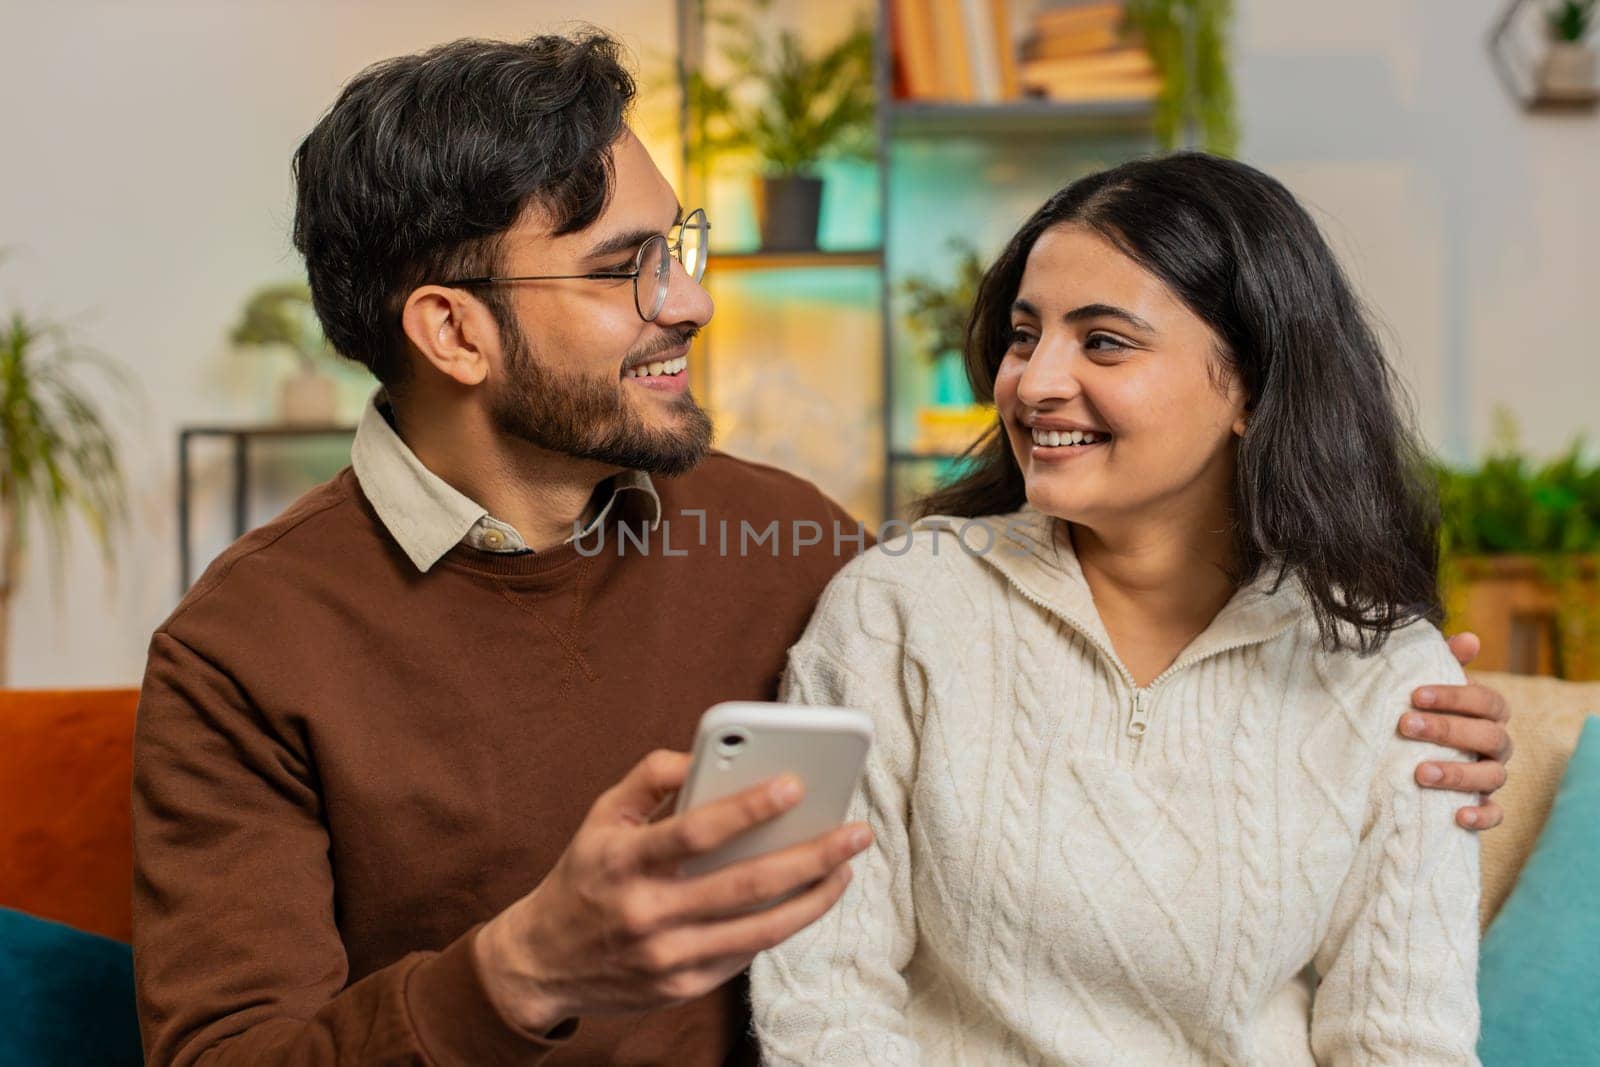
(695, 223)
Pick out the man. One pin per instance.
(400, 751)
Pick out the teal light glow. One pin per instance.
(852, 216)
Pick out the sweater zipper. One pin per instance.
(1139, 716)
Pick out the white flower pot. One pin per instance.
(1567, 71)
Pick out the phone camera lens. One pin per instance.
(730, 743)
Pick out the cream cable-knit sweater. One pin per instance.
(1049, 887)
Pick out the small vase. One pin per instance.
(1567, 72)
(788, 210)
(308, 397)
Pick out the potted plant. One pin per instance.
(1188, 40)
(58, 457)
(788, 109)
(1568, 69)
(281, 316)
(1519, 547)
(937, 313)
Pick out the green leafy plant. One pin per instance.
(938, 311)
(1570, 19)
(282, 315)
(788, 109)
(1549, 513)
(58, 456)
(1510, 506)
(1188, 40)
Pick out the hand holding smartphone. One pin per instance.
(740, 744)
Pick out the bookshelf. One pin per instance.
(960, 167)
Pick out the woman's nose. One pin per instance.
(1051, 375)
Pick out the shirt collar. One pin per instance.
(1034, 552)
(426, 515)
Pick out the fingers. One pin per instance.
(1478, 701)
(1465, 647)
(1479, 737)
(746, 936)
(1484, 776)
(1485, 816)
(643, 788)
(741, 886)
(709, 826)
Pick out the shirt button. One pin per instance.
(494, 540)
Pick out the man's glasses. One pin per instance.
(652, 266)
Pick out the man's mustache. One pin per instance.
(670, 339)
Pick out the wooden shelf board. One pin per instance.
(745, 262)
(1020, 116)
(1563, 105)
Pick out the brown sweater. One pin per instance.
(343, 766)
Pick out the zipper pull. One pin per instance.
(1141, 717)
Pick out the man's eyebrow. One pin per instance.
(1088, 311)
(628, 241)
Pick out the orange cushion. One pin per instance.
(66, 772)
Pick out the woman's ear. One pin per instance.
(1239, 425)
(452, 331)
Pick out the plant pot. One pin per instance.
(308, 396)
(788, 210)
(1567, 72)
(1534, 616)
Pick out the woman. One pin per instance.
(1135, 784)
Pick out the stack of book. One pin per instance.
(1084, 52)
(955, 50)
(965, 51)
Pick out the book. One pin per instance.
(983, 51)
(1119, 63)
(916, 48)
(1006, 48)
(1077, 90)
(1064, 19)
(1063, 45)
(955, 61)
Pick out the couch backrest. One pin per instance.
(1546, 717)
(66, 759)
(66, 775)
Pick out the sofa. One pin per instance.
(65, 777)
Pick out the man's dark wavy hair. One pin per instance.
(425, 160)
(1331, 486)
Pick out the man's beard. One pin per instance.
(585, 417)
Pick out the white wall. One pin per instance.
(145, 190)
(1472, 227)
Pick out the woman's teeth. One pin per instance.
(1054, 438)
(653, 370)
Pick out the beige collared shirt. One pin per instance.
(428, 516)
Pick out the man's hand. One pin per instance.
(615, 927)
(1471, 718)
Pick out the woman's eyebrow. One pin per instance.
(1097, 311)
(1088, 311)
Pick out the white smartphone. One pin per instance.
(742, 743)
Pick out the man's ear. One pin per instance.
(453, 331)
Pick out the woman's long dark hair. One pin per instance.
(1331, 485)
